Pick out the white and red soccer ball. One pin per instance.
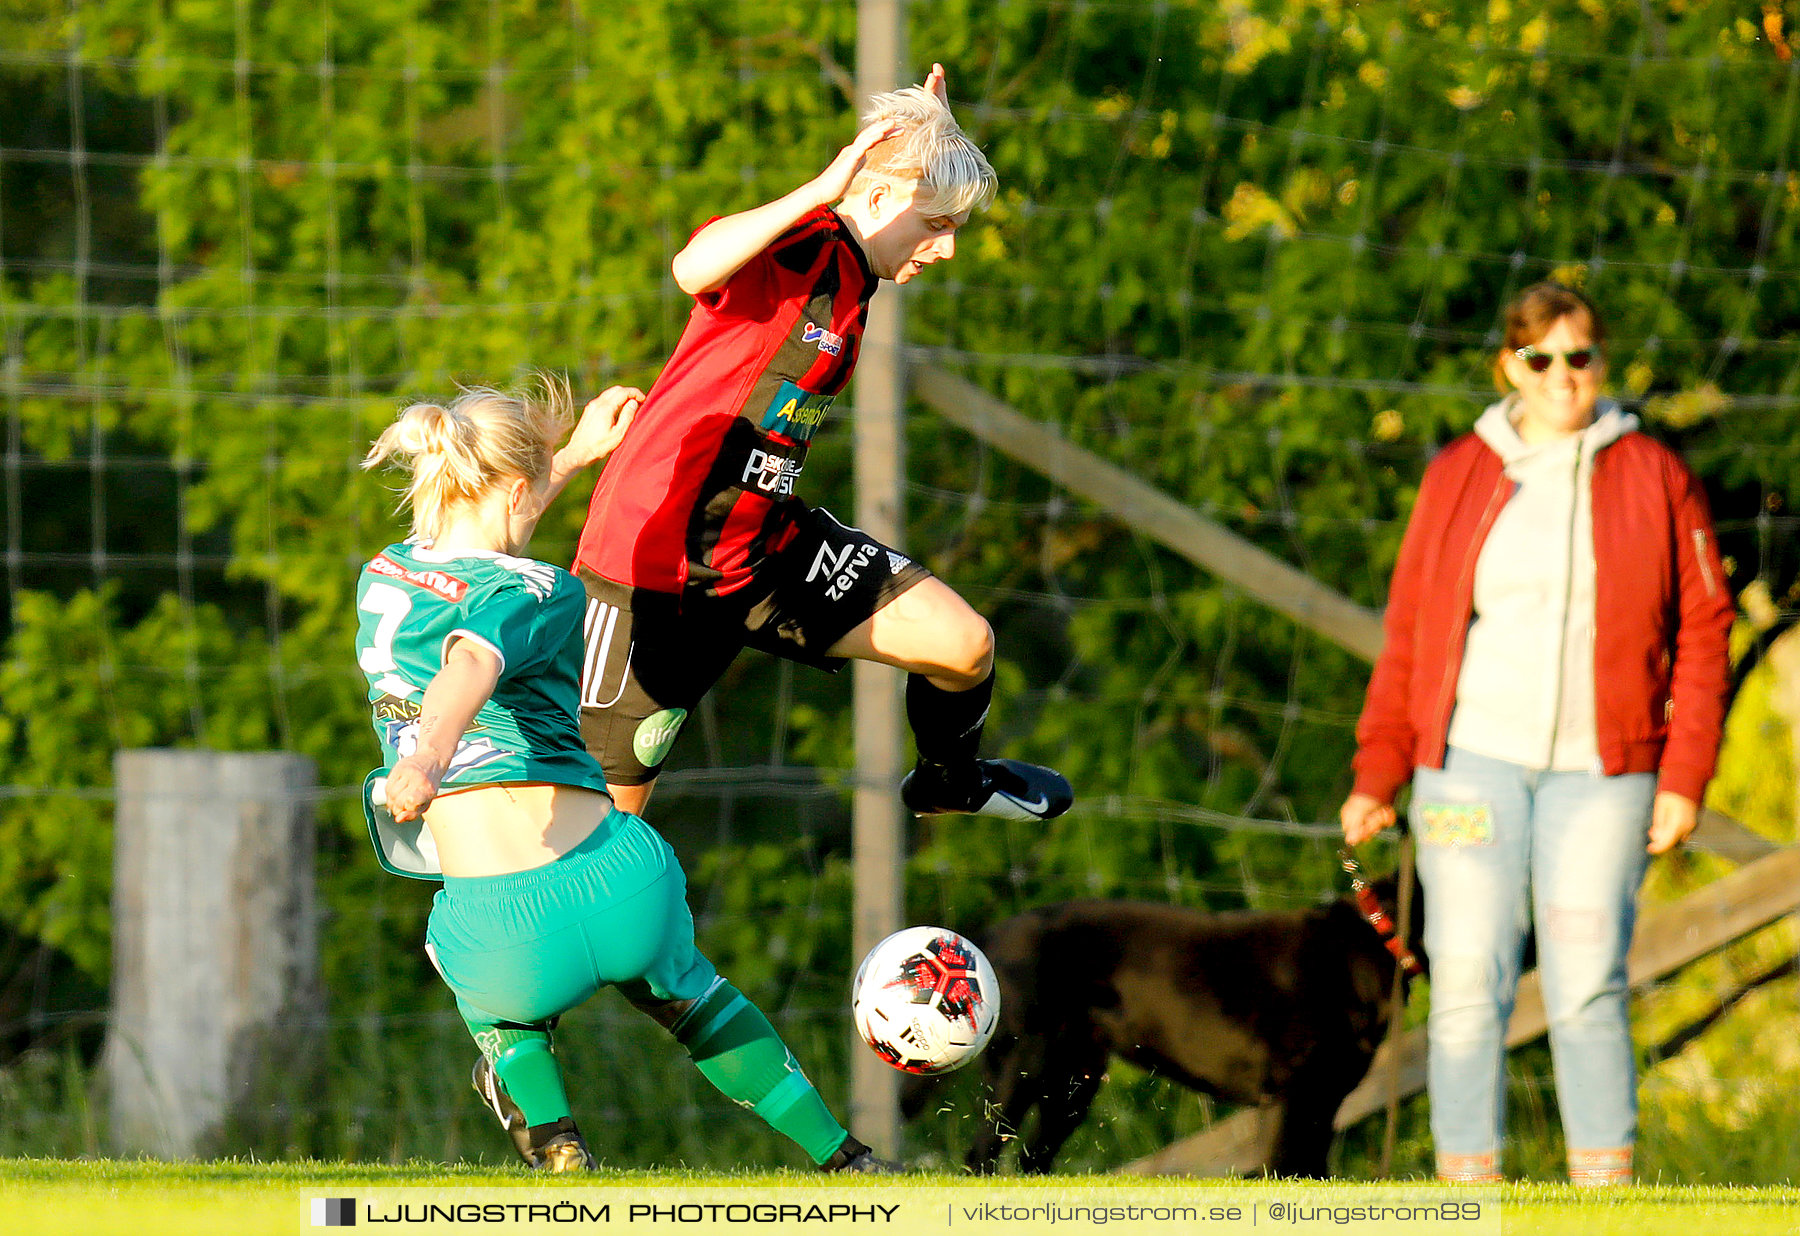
(926, 1000)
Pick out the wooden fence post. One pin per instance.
(215, 940)
(878, 823)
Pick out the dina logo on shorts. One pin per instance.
(656, 734)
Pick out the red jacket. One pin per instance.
(1662, 618)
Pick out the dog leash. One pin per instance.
(1407, 966)
(1397, 1008)
(1369, 906)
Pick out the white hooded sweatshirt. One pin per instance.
(1525, 693)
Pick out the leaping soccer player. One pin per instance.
(696, 545)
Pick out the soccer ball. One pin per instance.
(926, 1000)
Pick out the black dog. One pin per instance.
(1257, 1008)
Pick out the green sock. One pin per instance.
(526, 1064)
(737, 1050)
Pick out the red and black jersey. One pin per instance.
(701, 492)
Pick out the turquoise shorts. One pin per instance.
(529, 945)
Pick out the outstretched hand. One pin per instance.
(602, 426)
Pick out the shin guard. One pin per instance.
(526, 1065)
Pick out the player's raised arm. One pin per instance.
(601, 428)
(721, 248)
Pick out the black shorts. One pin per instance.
(652, 655)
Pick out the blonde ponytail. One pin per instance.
(457, 451)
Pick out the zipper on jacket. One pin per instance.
(1465, 587)
(1562, 635)
(1699, 535)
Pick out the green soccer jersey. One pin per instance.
(411, 602)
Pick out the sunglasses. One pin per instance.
(1539, 362)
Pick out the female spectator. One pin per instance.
(473, 657)
(1553, 684)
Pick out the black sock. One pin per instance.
(947, 724)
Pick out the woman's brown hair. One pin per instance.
(1531, 314)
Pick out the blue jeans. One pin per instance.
(1501, 846)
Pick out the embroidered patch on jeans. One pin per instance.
(1457, 823)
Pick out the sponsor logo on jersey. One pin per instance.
(770, 473)
(656, 734)
(438, 583)
(827, 341)
(796, 413)
(396, 709)
(398, 721)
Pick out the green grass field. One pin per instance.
(147, 1198)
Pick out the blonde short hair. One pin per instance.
(483, 437)
(953, 175)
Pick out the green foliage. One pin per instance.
(115, 688)
(1252, 253)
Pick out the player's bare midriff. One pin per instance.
(488, 830)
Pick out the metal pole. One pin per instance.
(878, 827)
